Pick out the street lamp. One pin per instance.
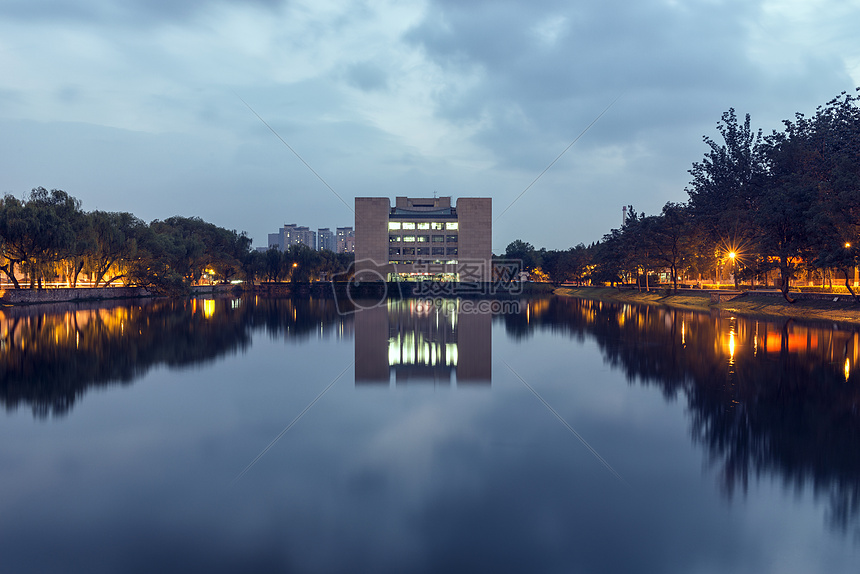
(732, 256)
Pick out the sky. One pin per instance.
(190, 108)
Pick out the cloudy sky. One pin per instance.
(137, 105)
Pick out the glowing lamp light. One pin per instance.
(847, 245)
(732, 254)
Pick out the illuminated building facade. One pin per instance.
(325, 239)
(425, 238)
(345, 240)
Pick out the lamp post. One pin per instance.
(732, 256)
(856, 274)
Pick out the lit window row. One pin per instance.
(422, 238)
(392, 225)
(422, 251)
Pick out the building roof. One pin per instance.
(447, 212)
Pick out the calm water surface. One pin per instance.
(570, 436)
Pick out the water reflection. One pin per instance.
(420, 342)
(51, 355)
(766, 397)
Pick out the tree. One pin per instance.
(116, 236)
(786, 198)
(608, 259)
(159, 265)
(37, 232)
(668, 238)
(229, 251)
(727, 183)
(11, 237)
(274, 264)
(833, 223)
(525, 252)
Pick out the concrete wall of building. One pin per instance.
(475, 348)
(475, 222)
(419, 203)
(371, 345)
(371, 232)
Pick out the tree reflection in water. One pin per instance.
(51, 355)
(767, 398)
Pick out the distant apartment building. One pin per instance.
(345, 240)
(326, 239)
(425, 238)
(292, 234)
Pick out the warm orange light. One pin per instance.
(847, 245)
(295, 264)
(732, 254)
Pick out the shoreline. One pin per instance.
(323, 289)
(749, 304)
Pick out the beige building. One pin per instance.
(424, 238)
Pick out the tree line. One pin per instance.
(46, 237)
(786, 202)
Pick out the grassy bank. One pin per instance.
(750, 304)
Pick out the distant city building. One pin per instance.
(292, 234)
(425, 238)
(326, 239)
(345, 238)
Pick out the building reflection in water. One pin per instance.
(423, 343)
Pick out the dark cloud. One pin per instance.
(548, 68)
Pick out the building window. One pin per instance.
(392, 225)
(393, 238)
(408, 225)
(409, 239)
(438, 251)
(451, 250)
(424, 238)
(437, 225)
(451, 225)
(448, 238)
(438, 239)
(393, 251)
(408, 251)
(423, 251)
(423, 226)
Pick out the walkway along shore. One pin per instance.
(809, 306)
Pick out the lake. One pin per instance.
(536, 435)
